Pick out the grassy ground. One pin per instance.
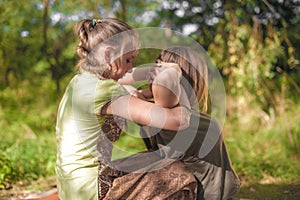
(253, 187)
(270, 191)
(289, 191)
(265, 154)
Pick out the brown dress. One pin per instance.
(143, 176)
(189, 164)
(171, 181)
(203, 151)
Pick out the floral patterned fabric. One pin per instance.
(173, 181)
(112, 129)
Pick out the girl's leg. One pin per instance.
(174, 181)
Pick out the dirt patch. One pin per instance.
(32, 190)
(270, 191)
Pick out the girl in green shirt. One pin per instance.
(94, 107)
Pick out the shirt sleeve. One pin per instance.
(105, 91)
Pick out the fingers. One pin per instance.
(151, 77)
(154, 72)
(138, 94)
(171, 65)
(159, 67)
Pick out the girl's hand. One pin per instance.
(162, 66)
(174, 66)
(145, 94)
(155, 70)
(141, 94)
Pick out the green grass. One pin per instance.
(27, 134)
(261, 153)
(129, 142)
(268, 153)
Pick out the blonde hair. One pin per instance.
(194, 73)
(91, 33)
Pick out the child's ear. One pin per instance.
(108, 54)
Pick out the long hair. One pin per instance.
(194, 73)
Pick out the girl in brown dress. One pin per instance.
(209, 161)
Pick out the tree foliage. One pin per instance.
(254, 43)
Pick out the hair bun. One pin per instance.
(81, 51)
(82, 29)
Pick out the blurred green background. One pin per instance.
(254, 43)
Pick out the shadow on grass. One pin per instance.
(270, 191)
(247, 192)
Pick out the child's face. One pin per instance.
(124, 65)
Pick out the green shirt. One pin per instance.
(77, 130)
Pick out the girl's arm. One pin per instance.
(166, 88)
(144, 94)
(137, 74)
(162, 114)
(148, 114)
